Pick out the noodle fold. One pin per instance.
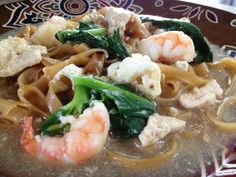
(189, 78)
(13, 110)
(141, 163)
(79, 59)
(227, 126)
(34, 98)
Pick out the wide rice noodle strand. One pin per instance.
(62, 51)
(201, 69)
(186, 77)
(79, 60)
(47, 61)
(171, 90)
(144, 163)
(223, 108)
(29, 76)
(34, 98)
(96, 63)
(13, 110)
(53, 102)
(171, 87)
(231, 90)
(227, 63)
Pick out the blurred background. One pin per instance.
(227, 2)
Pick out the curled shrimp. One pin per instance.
(168, 47)
(86, 138)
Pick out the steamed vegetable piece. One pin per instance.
(116, 48)
(203, 50)
(128, 111)
(52, 125)
(94, 36)
(84, 25)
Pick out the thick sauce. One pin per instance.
(186, 161)
(197, 153)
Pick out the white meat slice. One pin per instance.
(17, 54)
(45, 35)
(200, 97)
(139, 71)
(158, 127)
(119, 17)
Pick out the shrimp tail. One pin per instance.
(28, 141)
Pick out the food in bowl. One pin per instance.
(111, 91)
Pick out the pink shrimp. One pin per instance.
(168, 47)
(86, 138)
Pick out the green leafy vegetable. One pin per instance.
(75, 107)
(94, 36)
(116, 48)
(203, 50)
(128, 111)
(84, 25)
(128, 103)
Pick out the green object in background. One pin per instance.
(202, 48)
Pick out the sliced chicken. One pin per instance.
(139, 71)
(159, 127)
(200, 97)
(17, 54)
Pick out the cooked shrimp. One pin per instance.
(86, 138)
(168, 47)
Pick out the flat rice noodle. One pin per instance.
(34, 98)
(227, 63)
(80, 48)
(191, 70)
(192, 133)
(171, 87)
(6, 123)
(168, 101)
(53, 101)
(62, 51)
(41, 84)
(30, 75)
(79, 59)
(13, 110)
(186, 77)
(231, 90)
(33, 77)
(201, 69)
(137, 163)
(47, 61)
(95, 65)
(219, 123)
